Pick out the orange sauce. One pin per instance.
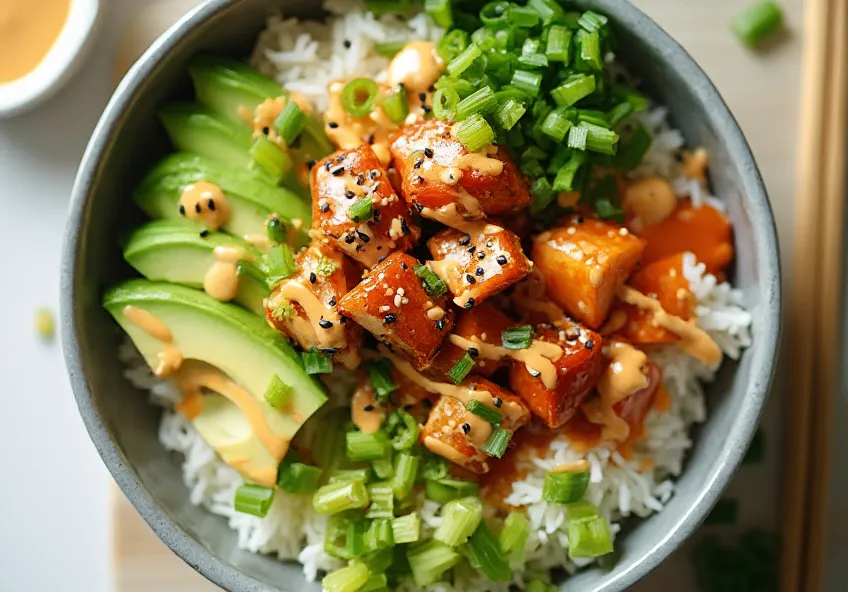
(662, 400)
(27, 32)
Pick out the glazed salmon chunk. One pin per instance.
(355, 208)
(457, 434)
(584, 261)
(306, 306)
(477, 264)
(392, 304)
(577, 372)
(436, 171)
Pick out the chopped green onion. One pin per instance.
(380, 561)
(610, 560)
(573, 90)
(521, 16)
(375, 583)
(460, 518)
(509, 114)
(359, 95)
(532, 168)
(389, 49)
(268, 158)
(336, 537)
(756, 22)
(461, 369)
(380, 375)
(594, 117)
(527, 82)
(607, 211)
(278, 264)
(497, 443)
(382, 502)
(592, 21)
(340, 496)
(556, 125)
(278, 393)
(533, 60)
(407, 529)
(403, 430)
(517, 337)
(350, 475)
(619, 112)
(577, 137)
(289, 123)
(485, 553)
(599, 139)
(360, 446)
(433, 284)
(559, 44)
(637, 100)
(396, 106)
(254, 499)
(494, 14)
(480, 102)
(435, 467)
(315, 362)
(543, 194)
(346, 579)
(564, 180)
(514, 533)
(406, 469)
(445, 101)
(548, 10)
(276, 230)
(484, 412)
(756, 450)
(588, 533)
(445, 490)
(361, 210)
(633, 150)
(383, 467)
(463, 61)
(474, 133)
(298, 477)
(726, 511)
(379, 535)
(440, 12)
(565, 487)
(326, 266)
(355, 537)
(452, 44)
(430, 560)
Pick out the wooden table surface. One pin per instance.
(762, 91)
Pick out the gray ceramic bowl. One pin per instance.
(123, 426)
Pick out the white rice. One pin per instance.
(306, 57)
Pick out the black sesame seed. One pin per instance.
(535, 373)
(369, 408)
(332, 302)
(489, 244)
(362, 236)
(350, 194)
(332, 125)
(312, 278)
(440, 325)
(310, 164)
(428, 152)
(466, 428)
(338, 171)
(426, 109)
(324, 207)
(343, 320)
(418, 163)
(374, 173)
(419, 207)
(579, 219)
(266, 130)
(330, 351)
(325, 324)
(479, 271)
(211, 204)
(408, 407)
(404, 227)
(481, 255)
(470, 278)
(204, 233)
(197, 208)
(590, 344)
(469, 303)
(182, 210)
(327, 165)
(422, 96)
(360, 179)
(349, 239)
(347, 43)
(381, 258)
(427, 403)
(501, 259)
(379, 247)
(404, 266)
(369, 138)
(389, 319)
(466, 238)
(341, 157)
(473, 352)
(498, 402)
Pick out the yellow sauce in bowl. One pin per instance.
(27, 32)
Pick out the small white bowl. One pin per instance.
(57, 66)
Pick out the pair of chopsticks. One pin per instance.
(815, 318)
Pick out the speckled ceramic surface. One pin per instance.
(123, 426)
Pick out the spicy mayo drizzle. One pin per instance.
(170, 358)
(206, 203)
(221, 280)
(538, 357)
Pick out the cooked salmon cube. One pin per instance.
(484, 322)
(346, 178)
(478, 265)
(436, 170)
(664, 280)
(635, 408)
(577, 372)
(584, 261)
(392, 304)
(459, 435)
(704, 231)
(306, 305)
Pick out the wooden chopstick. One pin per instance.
(814, 305)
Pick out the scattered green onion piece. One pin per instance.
(480, 102)
(509, 114)
(558, 48)
(435, 467)
(520, 337)
(375, 583)
(278, 265)
(360, 446)
(340, 496)
(556, 125)
(480, 410)
(389, 49)
(396, 106)
(403, 430)
(514, 534)
(268, 158)
(289, 123)
(463, 61)
(379, 535)
(607, 211)
(592, 21)
(276, 230)
(534, 60)
(564, 179)
(637, 100)
(440, 12)
(534, 152)
(350, 475)
(298, 477)
(461, 369)
(527, 81)
(485, 553)
(336, 537)
(361, 210)
(726, 511)
(355, 538)
(756, 22)
(452, 43)
(532, 168)
(254, 499)
(756, 450)
(474, 133)
(445, 101)
(406, 469)
(543, 194)
(359, 95)
(382, 501)
(577, 137)
(407, 529)
(548, 10)
(610, 560)
(326, 266)
(573, 90)
(497, 443)
(460, 518)
(278, 393)
(380, 561)
(565, 487)
(494, 14)
(383, 467)
(588, 533)
(445, 490)
(346, 579)
(521, 16)
(599, 139)
(619, 112)
(432, 283)
(317, 363)
(594, 117)
(430, 560)
(632, 151)
(380, 375)
(590, 51)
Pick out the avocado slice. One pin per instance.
(174, 251)
(207, 133)
(225, 336)
(251, 197)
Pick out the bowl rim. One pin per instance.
(762, 366)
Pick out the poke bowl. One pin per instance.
(468, 295)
